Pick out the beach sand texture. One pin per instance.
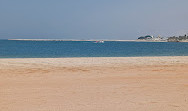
(94, 84)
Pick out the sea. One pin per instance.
(67, 49)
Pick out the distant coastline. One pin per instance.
(83, 40)
(138, 40)
(163, 39)
(65, 40)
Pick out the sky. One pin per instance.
(92, 19)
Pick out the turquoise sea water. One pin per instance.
(56, 49)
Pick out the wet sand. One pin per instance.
(94, 84)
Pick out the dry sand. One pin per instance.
(94, 84)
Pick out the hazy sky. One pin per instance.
(92, 19)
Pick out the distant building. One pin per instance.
(151, 38)
(145, 37)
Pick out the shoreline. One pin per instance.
(95, 57)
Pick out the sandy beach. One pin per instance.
(94, 84)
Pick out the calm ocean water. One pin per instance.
(56, 49)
